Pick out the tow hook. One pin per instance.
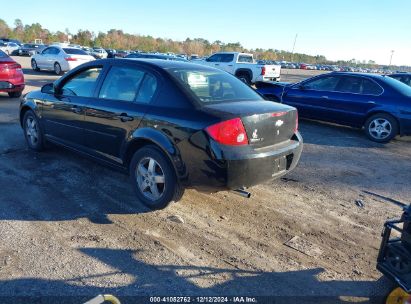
(242, 193)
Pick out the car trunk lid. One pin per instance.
(266, 123)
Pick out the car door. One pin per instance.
(52, 57)
(41, 58)
(312, 96)
(123, 99)
(63, 111)
(226, 63)
(353, 98)
(214, 60)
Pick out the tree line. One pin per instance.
(117, 39)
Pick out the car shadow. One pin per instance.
(39, 73)
(328, 134)
(300, 286)
(61, 185)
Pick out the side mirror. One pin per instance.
(207, 59)
(48, 88)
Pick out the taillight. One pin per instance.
(263, 71)
(278, 114)
(296, 122)
(230, 132)
(70, 59)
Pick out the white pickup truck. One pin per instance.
(243, 66)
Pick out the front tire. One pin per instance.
(14, 94)
(381, 127)
(33, 131)
(153, 178)
(34, 65)
(57, 69)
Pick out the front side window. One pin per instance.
(214, 58)
(322, 84)
(214, 86)
(82, 84)
(121, 83)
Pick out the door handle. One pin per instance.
(371, 102)
(324, 97)
(217, 64)
(230, 65)
(124, 117)
(76, 109)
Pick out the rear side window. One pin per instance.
(369, 87)
(73, 51)
(322, 84)
(245, 58)
(147, 89)
(82, 84)
(121, 83)
(350, 85)
(227, 57)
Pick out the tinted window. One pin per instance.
(147, 89)
(215, 58)
(350, 85)
(47, 51)
(82, 84)
(403, 78)
(121, 83)
(54, 51)
(369, 87)
(245, 58)
(214, 86)
(398, 86)
(227, 57)
(322, 84)
(73, 51)
(3, 54)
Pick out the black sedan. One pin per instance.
(379, 104)
(170, 124)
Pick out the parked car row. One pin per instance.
(378, 103)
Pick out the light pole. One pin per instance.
(292, 52)
(392, 53)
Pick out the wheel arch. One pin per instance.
(147, 136)
(244, 71)
(381, 111)
(27, 107)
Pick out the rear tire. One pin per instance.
(57, 69)
(244, 77)
(34, 65)
(33, 132)
(153, 178)
(381, 127)
(14, 94)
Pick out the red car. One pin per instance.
(11, 76)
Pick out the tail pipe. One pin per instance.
(242, 193)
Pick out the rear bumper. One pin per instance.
(6, 86)
(214, 167)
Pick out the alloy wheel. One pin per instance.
(380, 128)
(32, 130)
(150, 178)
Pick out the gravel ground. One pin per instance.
(71, 227)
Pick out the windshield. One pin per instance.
(214, 86)
(398, 86)
(73, 51)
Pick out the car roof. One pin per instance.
(400, 74)
(369, 75)
(165, 64)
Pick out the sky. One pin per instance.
(337, 29)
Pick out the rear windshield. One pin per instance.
(398, 86)
(214, 86)
(73, 51)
